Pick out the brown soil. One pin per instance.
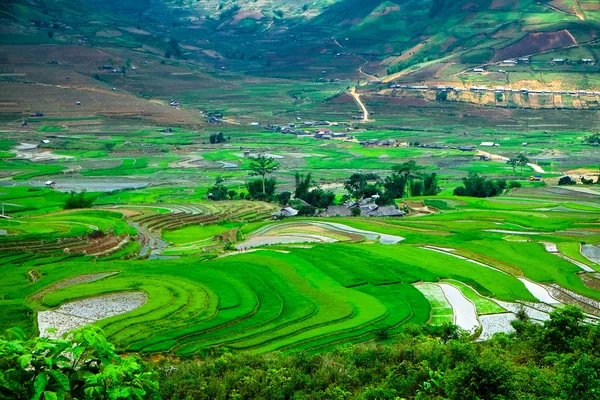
(535, 43)
(504, 4)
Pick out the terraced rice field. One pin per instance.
(312, 284)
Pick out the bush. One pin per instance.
(78, 200)
(566, 180)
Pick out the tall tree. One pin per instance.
(430, 185)
(522, 161)
(408, 170)
(356, 185)
(261, 166)
(513, 162)
(302, 185)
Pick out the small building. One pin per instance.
(44, 141)
(336, 211)
(50, 184)
(466, 148)
(489, 144)
(524, 144)
(558, 60)
(523, 60)
(285, 212)
(386, 211)
(479, 70)
(587, 61)
(77, 103)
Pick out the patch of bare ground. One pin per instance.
(566, 296)
(504, 4)
(78, 313)
(536, 43)
(591, 280)
(76, 280)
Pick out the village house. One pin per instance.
(489, 144)
(285, 212)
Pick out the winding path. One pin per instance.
(356, 98)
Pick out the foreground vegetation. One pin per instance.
(557, 359)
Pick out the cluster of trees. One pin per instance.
(317, 197)
(173, 49)
(475, 185)
(593, 139)
(220, 192)
(556, 359)
(567, 180)
(78, 200)
(521, 160)
(216, 138)
(406, 180)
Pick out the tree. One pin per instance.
(355, 186)
(476, 185)
(563, 328)
(219, 191)
(231, 193)
(83, 366)
(302, 185)
(566, 180)
(78, 200)
(355, 211)
(394, 186)
(320, 198)
(255, 189)
(408, 170)
(513, 162)
(261, 166)
(283, 198)
(522, 161)
(430, 185)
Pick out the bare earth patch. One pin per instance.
(78, 313)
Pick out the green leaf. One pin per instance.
(61, 380)
(39, 385)
(24, 360)
(50, 396)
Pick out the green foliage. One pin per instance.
(566, 180)
(261, 166)
(78, 200)
(416, 364)
(476, 185)
(82, 366)
(261, 189)
(216, 138)
(219, 191)
(317, 197)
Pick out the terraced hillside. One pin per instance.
(325, 282)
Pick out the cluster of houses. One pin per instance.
(321, 133)
(558, 61)
(368, 208)
(214, 118)
(499, 89)
(383, 143)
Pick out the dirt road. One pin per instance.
(356, 97)
(496, 157)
